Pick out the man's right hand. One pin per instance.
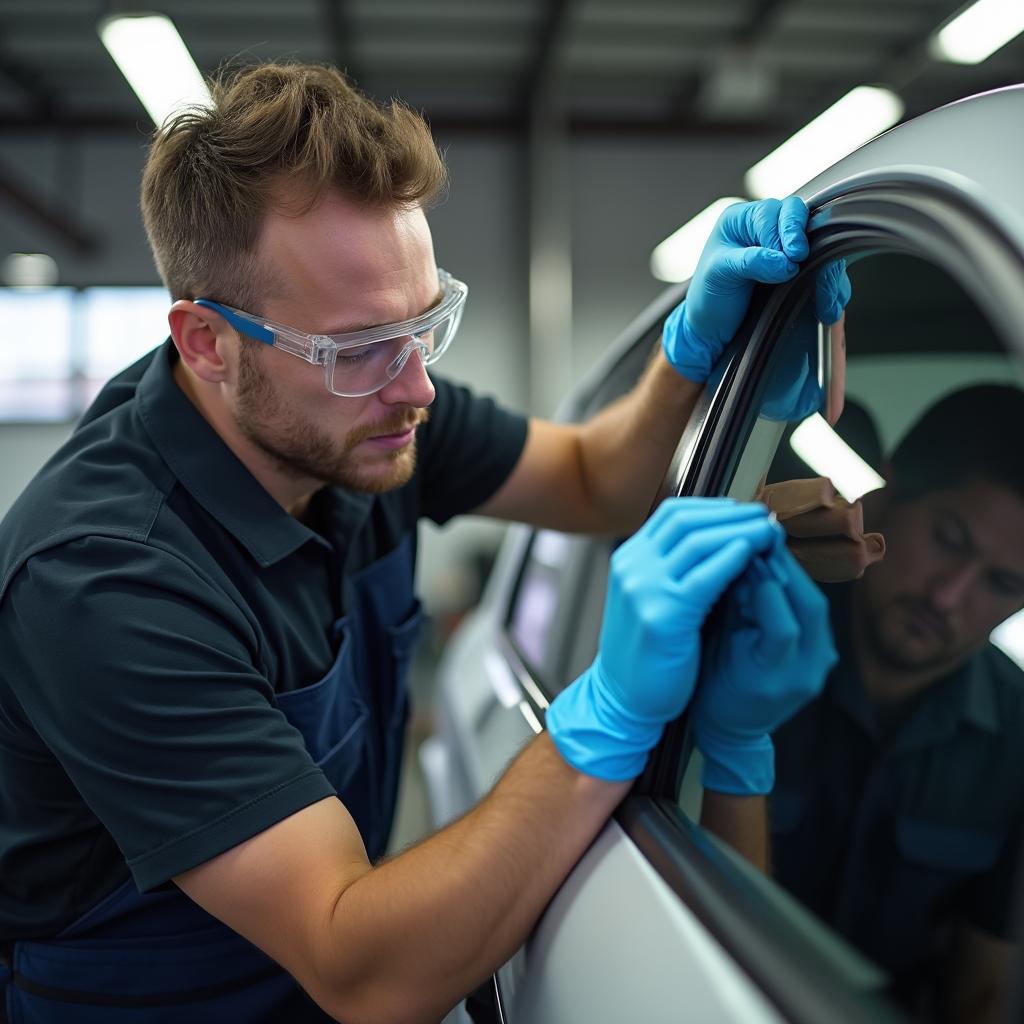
(664, 581)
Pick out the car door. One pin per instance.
(660, 920)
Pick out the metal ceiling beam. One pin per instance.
(549, 215)
(760, 22)
(680, 125)
(746, 37)
(57, 221)
(338, 17)
(540, 80)
(910, 60)
(902, 65)
(42, 100)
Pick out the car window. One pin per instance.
(888, 446)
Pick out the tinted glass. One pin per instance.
(893, 460)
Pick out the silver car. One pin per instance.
(896, 818)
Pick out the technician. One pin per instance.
(207, 606)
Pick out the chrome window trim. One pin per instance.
(531, 689)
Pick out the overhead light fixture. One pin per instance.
(829, 455)
(156, 62)
(860, 115)
(975, 34)
(29, 270)
(675, 259)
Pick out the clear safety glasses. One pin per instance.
(361, 362)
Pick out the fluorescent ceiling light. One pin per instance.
(1008, 636)
(28, 270)
(978, 32)
(829, 455)
(860, 115)
(675, 259)
(156, 62)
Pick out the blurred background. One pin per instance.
(580, 135)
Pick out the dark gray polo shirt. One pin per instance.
(153, 600)
(893, 836)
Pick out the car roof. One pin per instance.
(974, 145)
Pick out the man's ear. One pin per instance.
(200, 336)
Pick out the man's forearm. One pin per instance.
(625, 450)
(740, 821)
(418, 932)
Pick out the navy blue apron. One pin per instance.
(158, 957)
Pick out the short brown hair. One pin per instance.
(276, 135)
(967, 435)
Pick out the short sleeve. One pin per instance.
(469, 447)
(142, 680)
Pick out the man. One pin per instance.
(207, 603)
(900, 799)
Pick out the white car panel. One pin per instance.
(644, 954)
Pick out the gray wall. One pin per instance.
(626, 197)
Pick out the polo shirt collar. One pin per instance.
(979, 703)
(210, 472)
(965, 695)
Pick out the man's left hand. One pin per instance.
(752, 242)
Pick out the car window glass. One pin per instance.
(888, 446)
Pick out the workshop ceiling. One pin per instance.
(668, 67)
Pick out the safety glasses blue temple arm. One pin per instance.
(241, 324)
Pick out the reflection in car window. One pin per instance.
(897, 471)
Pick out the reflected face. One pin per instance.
(953, 570)
(340, 267)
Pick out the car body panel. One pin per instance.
(617, 942)
(968, 146)
(660, 949)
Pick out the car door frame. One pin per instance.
(915, 213)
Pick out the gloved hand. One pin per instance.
(751, 242)
(769, 657)
(832, 291)
(793, 389)
(663, 582)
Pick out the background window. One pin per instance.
(61, 344)
(35, 355)
(119, 325)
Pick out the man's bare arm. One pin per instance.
(978, 978)
(740, 821)
(405, 940)
(600, 476)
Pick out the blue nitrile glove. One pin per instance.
(793, 389)
(663, 582)
(751, 242)
(832, 291)
(769, 657)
